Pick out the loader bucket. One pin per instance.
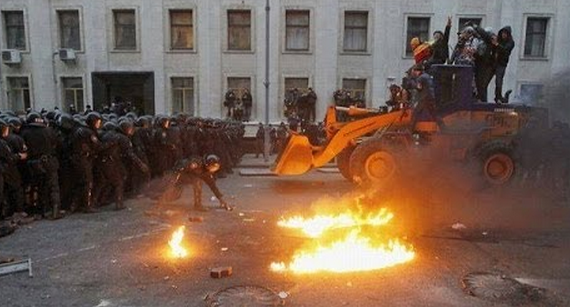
(296, 158)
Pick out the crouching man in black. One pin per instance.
(195, 170)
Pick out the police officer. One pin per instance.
(141, 140)
(42, 162)
(162, 146)
(84, 146)
(197, 170)
(12, 176)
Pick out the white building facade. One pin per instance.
(168, 56)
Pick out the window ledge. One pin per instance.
(297, 52)
(356, 53)
(239, 51)
(183, 51)
(125, 51)
(534, 59)
(22, 51)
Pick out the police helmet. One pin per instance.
(66, 121)
(131, 115)
(94, 120)
(163, 121)
(194, 162)
(127, 127)
(15, 122)
(212, 163)
(35, 118)
(110, 126)
(142, 122)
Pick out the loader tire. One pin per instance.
(343, 162)
(374, 163)
(497, 163)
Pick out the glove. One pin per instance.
(225, 205)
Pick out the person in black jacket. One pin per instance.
(440, 48)
(504, 45)
(42, 162)
(485, 63)
(197, 170)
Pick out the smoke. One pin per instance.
(432, 196)
(556, 96)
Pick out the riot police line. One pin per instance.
(54, 163)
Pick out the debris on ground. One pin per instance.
(197, 219)
(16, 266)
(458, 226)
(221, 272)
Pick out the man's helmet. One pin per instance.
(35, 119)
(163, 121)
(15, 122)
(143, 122)
(132, 115)
(94, 120)
(194, 162)
(4, 129)
(110, 126)
(66, 121)
(212, 163)
(127, 127)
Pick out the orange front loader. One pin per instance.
(299, 156)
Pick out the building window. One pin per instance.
(181, 30)
(535, 41)
(238, 85)
(531, 93)
(302, 84)
(183, 95)
(73, 93)
(297, 30)
(356, 88)
(355, 31)
(464, 20)
(417, 27)
(69, 31)
(125, 29)
(19, 93)
(15, 30)
(239, 30)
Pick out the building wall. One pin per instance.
(210, 63)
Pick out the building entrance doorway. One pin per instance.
(134, 88)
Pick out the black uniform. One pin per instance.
(43, 164)
(196, 171)
(13, 178)
(84, 146)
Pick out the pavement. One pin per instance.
(121, 258)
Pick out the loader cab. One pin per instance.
(453, 87)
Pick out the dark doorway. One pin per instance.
(134, 87)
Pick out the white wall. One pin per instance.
(210, 63)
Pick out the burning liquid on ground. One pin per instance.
(348, 241)
(175, 243)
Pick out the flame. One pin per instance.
(347, 249)
(176, 249)
(316, 226)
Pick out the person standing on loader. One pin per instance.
(425, 106)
